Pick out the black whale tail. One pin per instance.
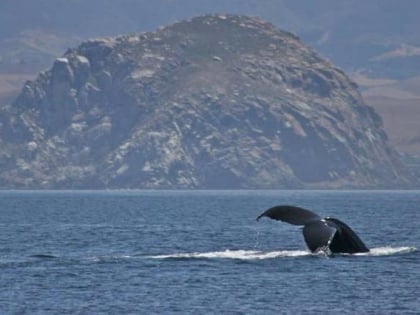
(290, 214)
(319, 233)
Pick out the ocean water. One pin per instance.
(202, 252)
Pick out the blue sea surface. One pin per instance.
(202, 252)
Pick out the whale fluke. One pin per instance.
(318, 235)
(328, 233)
(290, 214)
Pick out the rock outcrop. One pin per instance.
(212, 102)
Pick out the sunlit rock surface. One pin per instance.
(212, 102)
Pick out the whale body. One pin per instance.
(326, 234)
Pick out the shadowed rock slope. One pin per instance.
(212, 102)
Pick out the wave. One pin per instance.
(388, 250)
(259, 255)
(240, 254)
(43, 256)
(235, 254)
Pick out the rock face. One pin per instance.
(212, 102)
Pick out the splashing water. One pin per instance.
(237, 254)
(259, 255)
(388, 250)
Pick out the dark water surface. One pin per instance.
(202, 252)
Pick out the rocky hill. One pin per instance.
(372, 41)
(212, 102)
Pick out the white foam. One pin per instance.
(388, 250)
(259, 255)
(237, 254)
